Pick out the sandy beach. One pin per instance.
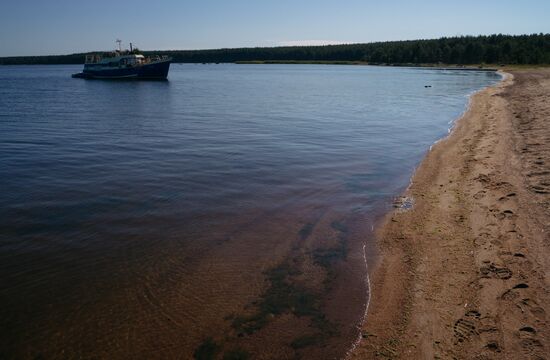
(464, 273)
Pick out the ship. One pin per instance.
(125, 65)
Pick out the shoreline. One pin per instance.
(472, 67)
(402, 203)
(446, 268)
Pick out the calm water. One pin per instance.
(141, 218)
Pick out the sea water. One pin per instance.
(154, 219)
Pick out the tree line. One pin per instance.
(462, 50)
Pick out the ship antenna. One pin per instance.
(119, 42)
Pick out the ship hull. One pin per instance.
(153, 71)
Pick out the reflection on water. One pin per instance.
(223, 211)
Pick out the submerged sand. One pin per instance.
(464, 273)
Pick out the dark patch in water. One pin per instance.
(237, 354)
(327, 257)
(306, 230)
(282, 295)
(285, 295)
(207, 350)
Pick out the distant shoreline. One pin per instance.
(472, 67)
(462, 50)
(469, 67)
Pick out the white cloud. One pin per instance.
(311, 42)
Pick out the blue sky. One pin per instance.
(39, 27)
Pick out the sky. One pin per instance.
(48, 27)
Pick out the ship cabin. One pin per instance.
(115, 61)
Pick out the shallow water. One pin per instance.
(141, 218)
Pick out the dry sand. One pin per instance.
(464, 274)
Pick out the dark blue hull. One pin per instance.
(154, 71)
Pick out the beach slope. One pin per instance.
(464, 274)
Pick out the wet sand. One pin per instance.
(464, 274)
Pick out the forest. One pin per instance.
(460, 50)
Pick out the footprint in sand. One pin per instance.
(528, 305)
(466, 327)
(480, 194)
(495, 272)
(514, 292)
(501, 215)
(507, 196)
(529, 341)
